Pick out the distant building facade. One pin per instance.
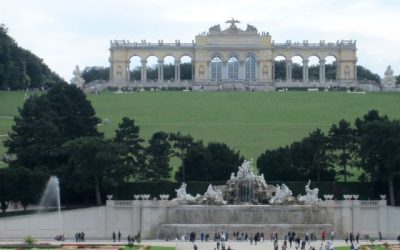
(234, 57)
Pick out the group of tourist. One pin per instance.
(80, 237)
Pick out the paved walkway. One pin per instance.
(211, 245)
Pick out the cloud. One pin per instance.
(66, 33)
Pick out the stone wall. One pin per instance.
(159, 219)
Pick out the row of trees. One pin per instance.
(373, 145)
(102, 73)
(21, 69)
(56, 134)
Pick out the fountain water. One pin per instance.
(51, 198)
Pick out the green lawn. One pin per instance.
(248, 121)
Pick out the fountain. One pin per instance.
(245, 203)
(51, 198)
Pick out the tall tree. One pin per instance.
(47, 121)
(212, 163)
(343, 143)
(379, 148)
(127, 135)
(181, 145)
(319, 157)
(93, 164)
(158, 153)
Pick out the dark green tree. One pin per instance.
(343, 143)
(212, 163)
(90, 74)
(158, 154)
(20, 69)
(47, 121)
(181, 144)
(127, 135)
(318, 157)
(378, 152)
(93, 165)
(364, 74)
(277, 165)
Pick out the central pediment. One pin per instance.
(232, 29)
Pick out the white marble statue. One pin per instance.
(311, 196)
(181, 194)
(214, 196)
(282, 194)
(389, 80)
(77, 80)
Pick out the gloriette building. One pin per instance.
(222, 58)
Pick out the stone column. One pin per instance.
(143, 74)
(305, 70)
(322, 71)
(177, 70)
(273, 71)
(288, 70)
(160, 70)
(241, 71)
(224, 70)
(355, 72)
(338, 73)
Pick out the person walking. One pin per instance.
(119, 236)
(113, 236)
(323, 235)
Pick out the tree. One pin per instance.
(277, 165)
(127, 135)
(344, 145)
(181, 144)
(90, 74)
(364, 74)
(301, 161)
(212, 163)
(20, 184)
(93, 164)
(20, 69)
(47, 121)
(319, 159)
(224, 161)
(379, 148)
(158, 154)
(380, 151)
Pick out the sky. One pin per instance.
(78, 32)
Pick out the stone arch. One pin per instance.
(331, 67)
(186, 67)
(216, 68)
(279, 67)
(233, 54)
(152, 67)
(314, 67)
(169, 67)
(296, 68)
(135, 68)
(250, 66)
(216, 54)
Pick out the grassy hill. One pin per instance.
(250, 122)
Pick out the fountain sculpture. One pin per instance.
(245, 187)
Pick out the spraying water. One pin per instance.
(51, 198)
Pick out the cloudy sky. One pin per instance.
(66, 33)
